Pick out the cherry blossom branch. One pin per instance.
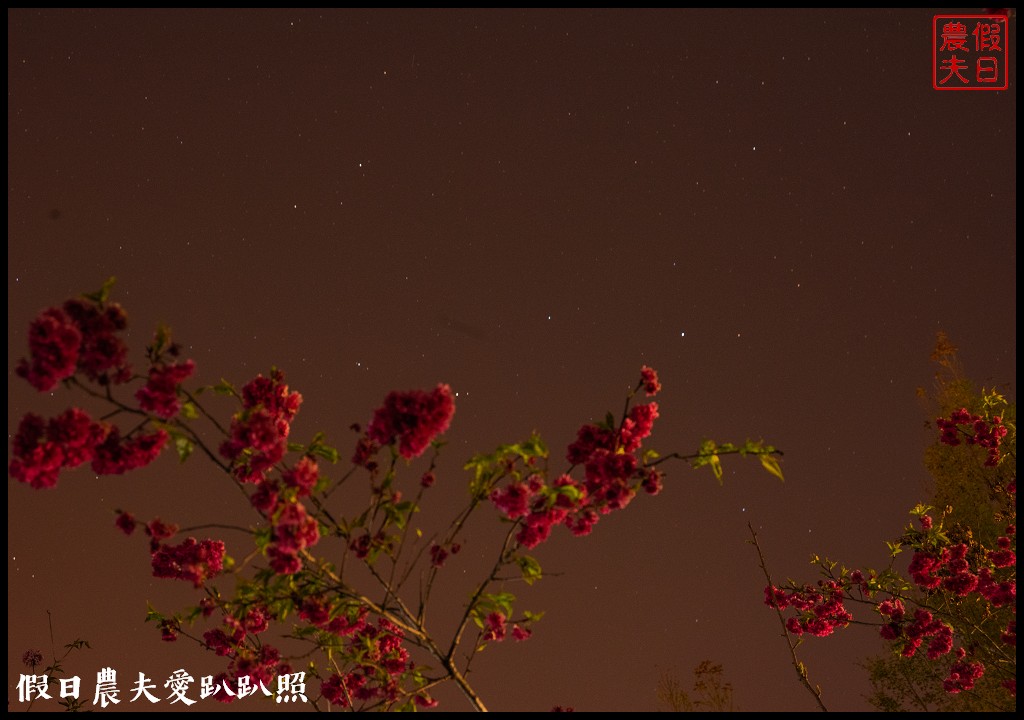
(697, 455)
(801, 669)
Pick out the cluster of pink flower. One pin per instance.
(964, 673)
(191, 560)
(913, 633)
(821, 609)
(364, 544)
(303, 477)
(542, 508)
(981, 432)
(294, 531)
(649, 379)
(439, 553)
(117, 455)
(381, 662)
(412, 418)
(157, 530)
(1001, 593)
(950, 570)
(340, 620)
(612, 475)
(259, 432)
(255, 660)
(365, 452)
(43, 448)
(947, 568)
(258, 442)
(1005, 555)
(82, 335)
(497, 629)
(160, 393)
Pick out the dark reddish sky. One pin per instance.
(774, 209)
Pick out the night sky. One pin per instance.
(774, 209)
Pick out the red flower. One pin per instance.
(335, 690)
(649, 378)
(43, 448)
(962, 676)
(513, 500)
(438, 555)
(652, 484)
(265, 497)
(160, 393)
(125, 522)
(588, 439)
(1004, 557)
(158, 530)
(283, 563)
(294, 529)
(496, 627)
(168, 630)
(412, 418)
(262, 427)
(115, 456)
(303, 476)
(366, 449)
(102, 354)
(257, 620)
(53, 341)
(39, 467)
(191, 560)
(219, 641)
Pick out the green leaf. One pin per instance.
(161, 340)
(101, 295)
(262, 538)
(707, 448)
(570, 491)
(184, 446)
(400, 513)
(530, 568)
(327, 452)
(152, 614)
(535, 447)
(225, 388)
(772, 465)
(189, 411)
(716, 467)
